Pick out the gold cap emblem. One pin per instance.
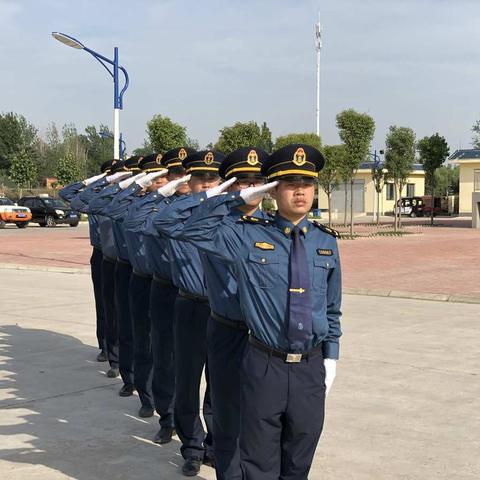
(208, 159)
(252, 158)
(182, 154)
(299, 157)
(159, 158)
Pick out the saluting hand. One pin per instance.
(220, 189)
(171, 187)
(251, 194)
(147, 180)
(90, 180)
(128, 181)
(116, 177)
(330, 373)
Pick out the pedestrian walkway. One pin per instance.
(404, 404)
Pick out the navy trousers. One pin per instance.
(190, 357)
(96, 270)
(225, 349)
(111, 324)
(125, 330)
(282, 412)
(162, 314)
(142, 357)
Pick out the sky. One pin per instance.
(207, 64)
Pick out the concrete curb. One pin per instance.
(43, 268)
(436, 297)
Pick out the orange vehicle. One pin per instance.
(10, 212)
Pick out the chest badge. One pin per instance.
(264, 246)
(325, 251)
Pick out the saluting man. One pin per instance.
(289, 286)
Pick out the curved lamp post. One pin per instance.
(117, 93)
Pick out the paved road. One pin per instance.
(404, 406)
(439, 260)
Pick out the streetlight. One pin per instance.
(117, 95)
(122, 147)
(318, 48)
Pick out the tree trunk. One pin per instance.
(431, 213)
(395, 208)
(345, 209)
(400, 188)
(329, 198)
(378, 208)
(351, 207)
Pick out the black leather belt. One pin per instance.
(109, 259)
(163, 281)
(236, 324)
(142, 275)
(191, 296)
(122, 261)
(285, 356)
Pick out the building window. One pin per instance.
(390, 191)
(476, 180)
(410, 189)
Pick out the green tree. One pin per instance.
(265, 138)
(433, 152)
(399, 161)
(144, 150)
(68, 170)
(311, 139)
(356, 131)
(164, 134)
(98, 145)
(329, 177)
(23, 170)
(476, 137)
(16, 136)
(239, 135)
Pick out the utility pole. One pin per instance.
(318, 47)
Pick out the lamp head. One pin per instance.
(68, 40)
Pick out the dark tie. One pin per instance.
(300, 305)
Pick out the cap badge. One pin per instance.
(252, 158)
(208, 159)
(299, 157)
(182, 154)
(159, 158)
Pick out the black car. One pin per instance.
(49, 212)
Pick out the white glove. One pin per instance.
(330, 372)
(219, 189)
(90, 180)
(116, 177)
(251, 194)
(128, 181)
(171, 187)
(149, 178)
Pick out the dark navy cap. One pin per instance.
(175, 156)
(107, 166)
(204, 162)
(151, 163)
(293, 160)
(132, 164)
(245, 161)
(119, 166)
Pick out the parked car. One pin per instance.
(10, 212)
(412, 206)
(49, 212)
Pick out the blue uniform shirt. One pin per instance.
(259, 253)
(186, 265)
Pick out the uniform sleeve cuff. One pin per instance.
(330, 350)
(235, 200)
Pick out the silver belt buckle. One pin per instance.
(293, 358)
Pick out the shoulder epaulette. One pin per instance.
(326, 229)
(255, 220)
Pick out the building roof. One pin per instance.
(468, 154)
(369, 165)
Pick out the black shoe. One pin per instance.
(209, 460)
(113, 373)
(164, 435)
(102, 356)
(126, 390)
(191, 467)
(145, 412)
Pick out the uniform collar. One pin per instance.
(286, 226)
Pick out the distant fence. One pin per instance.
(17, 193)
